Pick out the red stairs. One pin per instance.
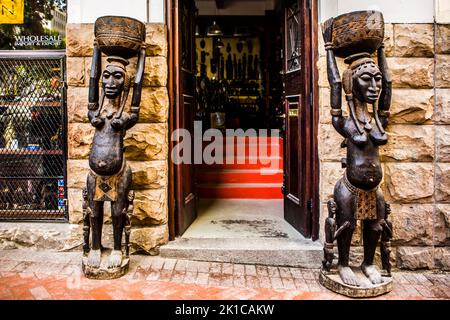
(245, 175)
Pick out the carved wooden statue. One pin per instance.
(357, 196)
(109, 179)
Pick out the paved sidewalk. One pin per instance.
(26, 274)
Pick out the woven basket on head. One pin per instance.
(356, 32)
(119, 36)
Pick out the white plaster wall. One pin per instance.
(394, 11)
(157, 11)
(443, 11)
(87, 11)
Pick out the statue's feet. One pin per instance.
(347, 276)
(94, 258)
(372, 273)
(115, 259)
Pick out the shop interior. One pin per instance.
(239, 81)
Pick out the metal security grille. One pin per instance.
(32, 135)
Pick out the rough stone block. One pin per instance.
(442, 225)
(76, 72)
(411, 106)
(330, 144)
(149, 174)
(148, 239)
(442, 115)
(389, 40)
(155, 74)
(413, 143)
(442, 38)
(322, 68)
(442, 71)
(412, 224)
(154, 104)
(75, 200)
(35, 236)
(324, 103)
(77, 103)
(414, 258)
(357, 257)
(357, 235)
(79, 140)
(443, 182)
(442, 258)
(414, 40)
(411, 72)
(443, 143)
(320, 43)
(156, 39)
(146, 142)
(330, 173)
(79, 39)
(150, 207)
(77, 171)
(409, 182)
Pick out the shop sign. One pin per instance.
(42, 40)
(11, 11)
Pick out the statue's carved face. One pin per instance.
(113, 81)
(367, 83)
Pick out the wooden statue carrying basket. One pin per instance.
(356, 32)
(119, 36)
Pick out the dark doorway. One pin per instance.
(247, 72)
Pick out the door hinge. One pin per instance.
(310, 99)
(309, 204)
(309, 5)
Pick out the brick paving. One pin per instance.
(36, 275)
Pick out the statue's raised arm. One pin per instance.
(93, 99)
(386, 87)
(334, 79)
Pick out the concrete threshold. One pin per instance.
(244, 231)
(262, 251)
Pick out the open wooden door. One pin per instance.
(184, 108)
(299, 140)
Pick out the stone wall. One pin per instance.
(416, 160)
(146, 143)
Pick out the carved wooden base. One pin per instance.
(103, 272)
(332, 281)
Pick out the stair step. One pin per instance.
(252, 140)
(264, 251)
(240, 191)
(255, 150)
(240, 176)
(249, 163)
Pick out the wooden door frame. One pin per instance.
(172, 86)
(315, 225)
(172, 89)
